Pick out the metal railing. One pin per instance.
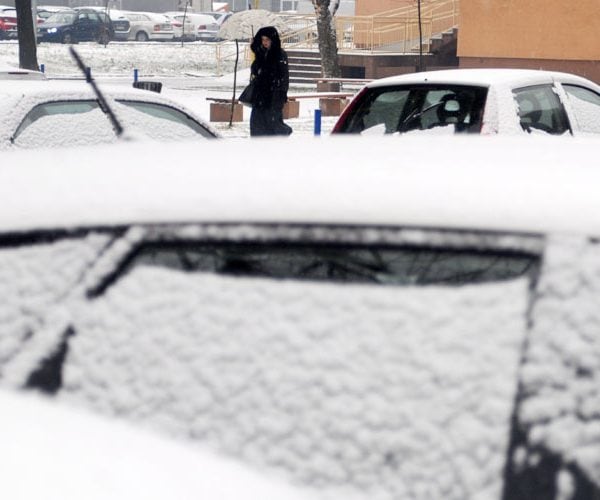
(395, 30)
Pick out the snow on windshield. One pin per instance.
(399, 392)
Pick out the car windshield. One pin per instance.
(62, 17)
(404, 108)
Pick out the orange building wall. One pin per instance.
(530, 29)
(370, 7)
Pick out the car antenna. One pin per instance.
(106, 109)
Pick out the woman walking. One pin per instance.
(270, 73)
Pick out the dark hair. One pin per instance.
(272, 34)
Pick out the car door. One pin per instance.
(84, 26)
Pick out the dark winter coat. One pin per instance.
(269, 70)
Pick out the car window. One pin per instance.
(540, 110)
(56, 108)
(585, 104)
(423, 107)
(181, 125)
(337, 259)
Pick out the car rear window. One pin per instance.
(400, 109)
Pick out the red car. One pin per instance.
(8, 23)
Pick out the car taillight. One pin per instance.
(202, 27)
(156, 27)
(344, 117)
(177, 24)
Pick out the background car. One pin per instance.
(149, 26)
(220, 17)
(420, 325)
(8, 23)
(208, 28)
(76, 26)
(57, 113)
(193, 22)
(475, 101)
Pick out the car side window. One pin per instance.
(585, 104)
(162, 113)
(540, 110)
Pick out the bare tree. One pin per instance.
(327, 37)
(26, 34)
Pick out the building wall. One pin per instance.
(559, 35)
(532, 29)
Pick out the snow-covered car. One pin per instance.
(55, 113)
(12, 73)
(418, 326)
(485, 101)
(149, 26)
(74, 455)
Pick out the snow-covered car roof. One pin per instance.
(491, 183)
(483, 77)
(18, 97)
(74, 454)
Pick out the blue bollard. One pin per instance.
(88, 74)
(135, 75)
(317, 122)
(43, 68)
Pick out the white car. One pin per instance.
(193, 22)
(74, 455)
(56, 113)
(12, 73)
(486, 101)
(421, 325)
(149, 26)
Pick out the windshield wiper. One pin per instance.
(106, 109)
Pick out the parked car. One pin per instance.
(420, 325)
(8, 23)
(208, 30)
(149, 26)
(12, 73)
(76, 26)
(56, 113)
(486, 101)
(71, 452)
(192, 23)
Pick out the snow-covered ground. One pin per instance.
(190, 73)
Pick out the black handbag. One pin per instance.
(247, 95)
